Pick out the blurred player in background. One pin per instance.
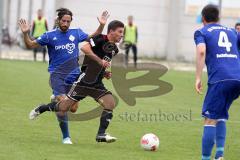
(237, 27)
(130, 38)
(217, 46)
(39, 27)
(62, 44)
(90, 81)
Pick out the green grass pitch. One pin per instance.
(24, 84)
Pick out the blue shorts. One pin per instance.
(62, 83)
(219, 98)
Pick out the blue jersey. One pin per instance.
(222, 56)
(63, 49)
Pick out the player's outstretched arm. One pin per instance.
(102, 21)
(200, 62)
(87, 50)
(25, 27)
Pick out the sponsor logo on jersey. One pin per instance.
(106, 58)
(69, 46)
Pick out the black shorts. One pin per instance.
(80, 90)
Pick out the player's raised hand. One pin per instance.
(103, 18)
(198, 86)
(25, 27)
(106, 64)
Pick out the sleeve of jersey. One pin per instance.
(95, 41)
(198, 37)
(43, 39)
(82, 35)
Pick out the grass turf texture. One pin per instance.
(24, 84)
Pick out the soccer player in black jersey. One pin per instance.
(90, 81)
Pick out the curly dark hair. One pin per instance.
(63, 11)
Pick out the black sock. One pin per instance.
(105, 120)
(53, 106)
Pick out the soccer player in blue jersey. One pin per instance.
(62, 44)
(90, 81)
(216, 45)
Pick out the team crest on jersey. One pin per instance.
(110, 48)
(71, 38)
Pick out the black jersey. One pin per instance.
(103, 49)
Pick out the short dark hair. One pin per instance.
(237, 24)
(210, 13)
(113, 25)
(63, 11)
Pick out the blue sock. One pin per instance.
(208, 139)
(220, 138)
(63, 124)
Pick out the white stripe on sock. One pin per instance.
(209, 125)
(224, 120)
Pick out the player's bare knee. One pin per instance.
(66, 104)
(112, 104)
(109, 105)
(60, 98)
(74, 108)
(208, 121)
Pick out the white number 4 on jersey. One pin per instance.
(224, 42)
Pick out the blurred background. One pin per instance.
(165, 27)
